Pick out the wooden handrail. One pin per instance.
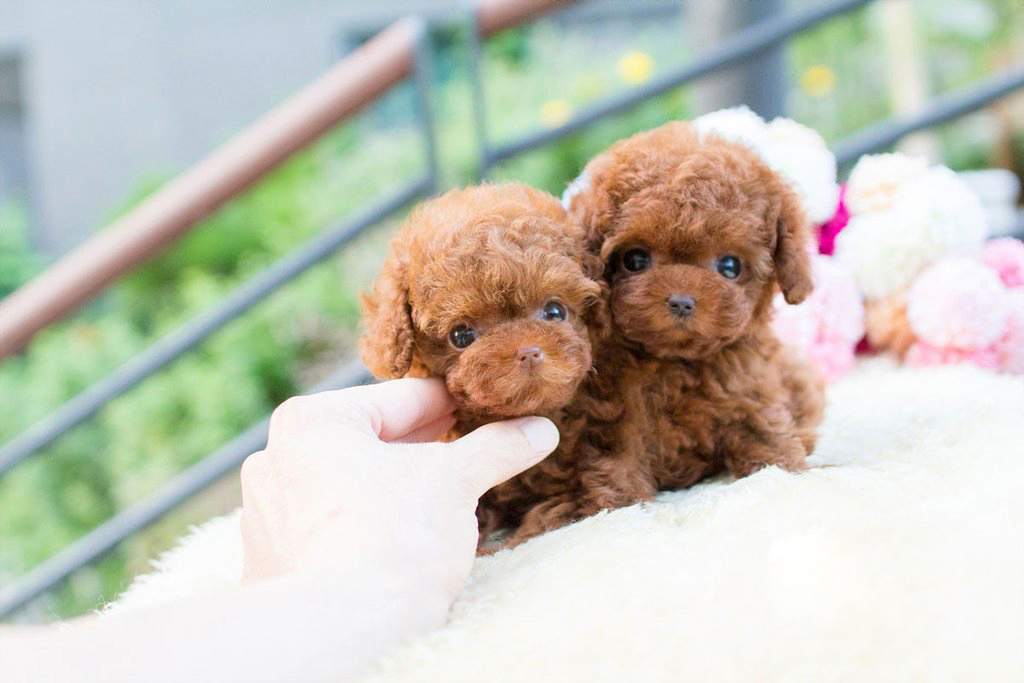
(497, 15)
(175, 208)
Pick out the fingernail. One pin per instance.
(540, 432)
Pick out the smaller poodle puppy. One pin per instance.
(486, 288)
(695, 236)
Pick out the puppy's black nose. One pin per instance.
(681, 306)
(529, 356)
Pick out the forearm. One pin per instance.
(298, 628)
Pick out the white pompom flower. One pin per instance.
(800, 154)
(738, 124)
(876, 178)
(578, 186)
(885, 251)
(955, 221)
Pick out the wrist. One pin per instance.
(417, 563)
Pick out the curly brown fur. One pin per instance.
(682, 396)
(490, 258)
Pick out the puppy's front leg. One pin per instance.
(606, 486)
(763, 439)
(547, 515)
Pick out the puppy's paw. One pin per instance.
(785, 451)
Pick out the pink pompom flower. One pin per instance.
(1010, 347)
(835, 225)
(1005, 255)
(922, 354)
(958, 303)
(830, 323)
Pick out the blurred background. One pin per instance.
(104, 101)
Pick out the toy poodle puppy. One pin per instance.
(486, 288)
(695, 235)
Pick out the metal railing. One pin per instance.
(398, 52)
(738, 48)
(402, 54)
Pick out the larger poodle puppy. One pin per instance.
(696, 235)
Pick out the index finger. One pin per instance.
(393, 409)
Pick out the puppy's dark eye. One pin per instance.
(554, 310)
(636, 260)
(728, 267)
(462, 336)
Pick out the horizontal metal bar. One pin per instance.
(735, 49)
(191, 481)
(87, 403)
(170, 212)
(940, 110)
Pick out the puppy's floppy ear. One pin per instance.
(387, 344)
(792, 260)
(598, 315)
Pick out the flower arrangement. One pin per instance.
(934, 291)
(903, 217)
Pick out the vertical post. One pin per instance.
(760, 83)
(908, 71)
(476, 91)
(422, 73)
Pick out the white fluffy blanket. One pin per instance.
(899, 557)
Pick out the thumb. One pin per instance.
(498, 451)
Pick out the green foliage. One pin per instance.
(298, 334)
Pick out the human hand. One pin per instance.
(346, 484)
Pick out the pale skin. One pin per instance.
(358, 532)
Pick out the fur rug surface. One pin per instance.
(898, 556)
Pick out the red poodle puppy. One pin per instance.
(486, 288)
(695, 236)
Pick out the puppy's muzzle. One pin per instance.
(681, 306)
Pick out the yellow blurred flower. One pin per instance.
(818, 81)
(635, 67)
(554, 113)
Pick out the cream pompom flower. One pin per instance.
(876, 178)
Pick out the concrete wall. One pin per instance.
(116, 89)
